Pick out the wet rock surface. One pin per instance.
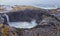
(5, 29)
(48, 27)
(48, 24)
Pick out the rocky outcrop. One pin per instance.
(27, 15)
(48, 24)
(48, 27)
(23, 7)
(6, 30)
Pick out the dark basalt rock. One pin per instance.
(5, 29)
(25, 15)
(28, 15)
(48, 25)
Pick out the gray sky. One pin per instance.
(31, 2)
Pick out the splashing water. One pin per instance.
(7, 17)
(21, 24)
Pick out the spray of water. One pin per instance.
(21, 24)
(7, 17)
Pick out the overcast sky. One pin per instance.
(30, 2)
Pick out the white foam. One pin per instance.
(23, 24)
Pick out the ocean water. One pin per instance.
(23, 24)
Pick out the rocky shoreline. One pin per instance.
(48, 22)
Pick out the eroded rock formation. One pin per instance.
(5, 29)
(48, 25)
